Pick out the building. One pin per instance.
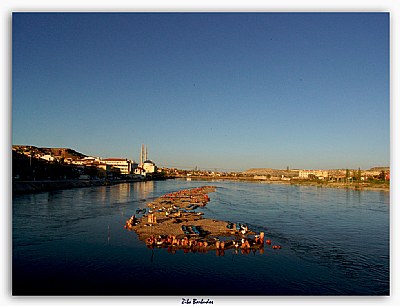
(146, 166)
(47, 157)
(139, 171)
(149, 166)
(306, 174)
(123, 164)
(88, 160)
(103, 166)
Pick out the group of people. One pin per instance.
(186, 242)
(169, 206)
(131, 222)
(244, 246)
(171, 240)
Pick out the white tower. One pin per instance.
(141, 155)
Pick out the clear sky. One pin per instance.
(229, 91)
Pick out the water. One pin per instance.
(72, 242)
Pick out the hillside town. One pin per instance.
(31, 163)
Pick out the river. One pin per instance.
(72, 242)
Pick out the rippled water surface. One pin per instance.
(72, 242)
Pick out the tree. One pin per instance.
(359, 174)
(347, 174)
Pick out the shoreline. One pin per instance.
(351, 186)
(27, 187)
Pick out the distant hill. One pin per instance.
(260, 170)
(380, 169)
(26, 168)
(57, 153)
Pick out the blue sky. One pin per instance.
(229, 91)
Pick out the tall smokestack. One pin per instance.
(141, 155)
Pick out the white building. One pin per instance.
(123, 164)
(305, 174)
(47, 157)
(88, 160)
(139, 171)
(149, 166)
(146, 166)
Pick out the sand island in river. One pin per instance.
(172, 220)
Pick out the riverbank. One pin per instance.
(372, 186)
(26, 187)
(352, 186)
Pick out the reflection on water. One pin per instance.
(173, 250)
(145, 189)
(334, 242)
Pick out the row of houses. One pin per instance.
(306, 174)
(340, 175)
(123, 165)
